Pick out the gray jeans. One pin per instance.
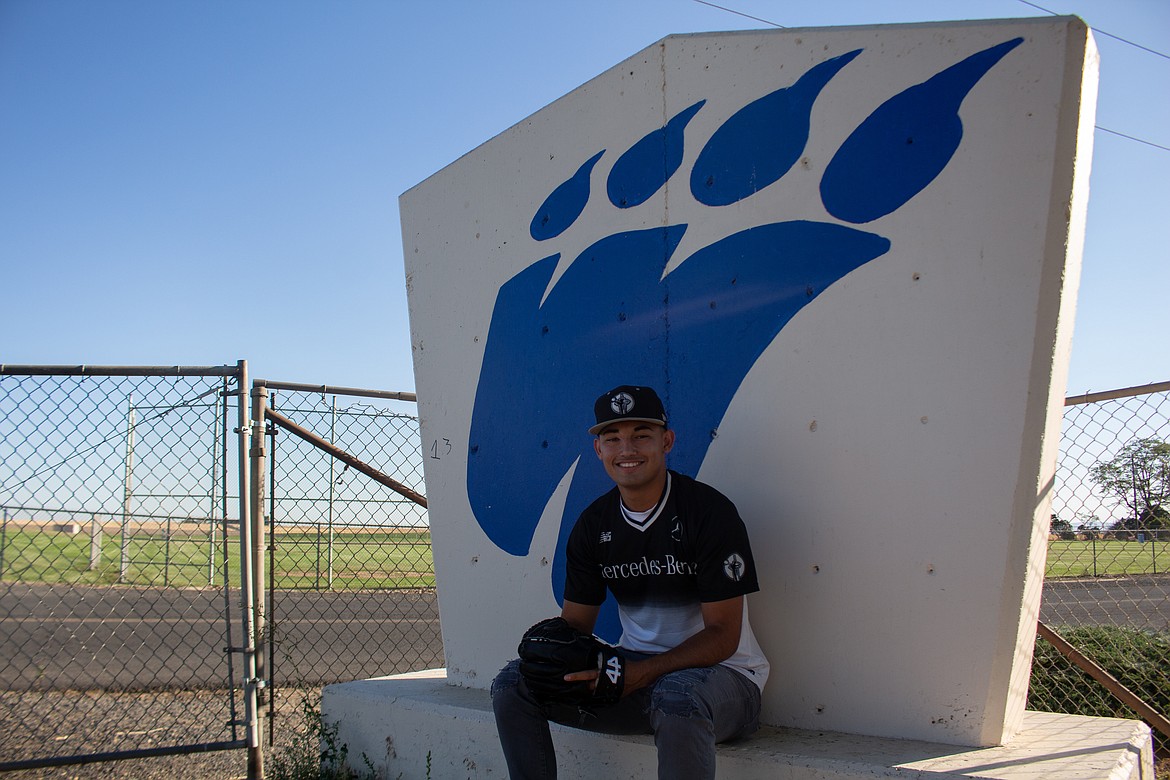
(687, 711)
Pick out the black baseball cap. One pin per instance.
(628, 402)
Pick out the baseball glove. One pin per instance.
(552, 648)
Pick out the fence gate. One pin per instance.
(122, 616)
(351, 584)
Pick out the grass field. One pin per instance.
(393, 558)
(1103, 558)
(360, 560)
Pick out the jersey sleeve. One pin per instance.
(583, 582)
(723, 552)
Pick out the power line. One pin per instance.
(1132, 138)
(741, 13)
(1123, 40)
(1025, 2)
(1155, 52)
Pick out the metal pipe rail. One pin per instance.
(345, 457)
(84, 370)
(335, 390)
(1112, 395)
(1111, 683)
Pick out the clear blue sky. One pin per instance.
(190, 183)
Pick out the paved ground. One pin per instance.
(1141, 602)
(60, 637)
(103, 668)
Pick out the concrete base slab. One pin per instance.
(416, 726)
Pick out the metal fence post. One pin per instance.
(3, 541)
(218, 442)
(332, 489)
(127, 493)
(247, 581)
(95, 543)
(167, 554)
(257, 453)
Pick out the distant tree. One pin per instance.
(1089, 526)
(1138, 476)
(1063, 528)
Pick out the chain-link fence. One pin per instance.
(120, 571)
(117, 562)
(350, 574)
(1107, 587)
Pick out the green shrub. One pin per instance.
(1140, 660)
(314, 753)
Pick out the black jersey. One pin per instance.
(692, 547)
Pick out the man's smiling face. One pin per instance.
(634, 456)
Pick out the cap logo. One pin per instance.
(627, 402)
(622, 403)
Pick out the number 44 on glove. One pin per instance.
(552, 648)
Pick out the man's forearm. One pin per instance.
(710, 646)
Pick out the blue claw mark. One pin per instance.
(903, 145)
(648, 164)
(542, 366)
(760, 142)
(565, 204)
(613, 317)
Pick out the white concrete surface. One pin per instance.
(417, 726)
(891, 449)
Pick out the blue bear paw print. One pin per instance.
(617, 316)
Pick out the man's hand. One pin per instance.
(582, 617)
(589, 675)
(553, 654)
(716, 642)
